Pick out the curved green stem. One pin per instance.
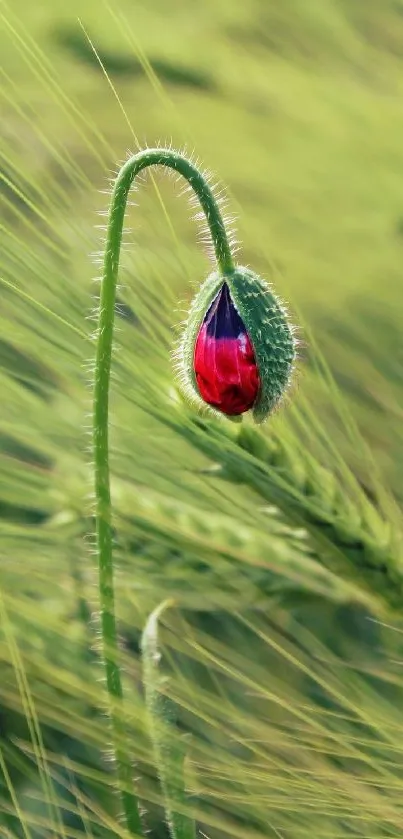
(103, 512)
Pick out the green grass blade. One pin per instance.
(169, 744)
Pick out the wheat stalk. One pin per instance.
(348, 534)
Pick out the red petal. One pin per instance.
(224, 362)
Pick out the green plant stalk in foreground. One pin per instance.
(103, 512)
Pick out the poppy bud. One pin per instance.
(238, 348)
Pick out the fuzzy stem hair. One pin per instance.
(103, 507)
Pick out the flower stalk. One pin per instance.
(103, 508)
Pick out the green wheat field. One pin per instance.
(281, 545)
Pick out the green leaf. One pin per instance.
(169, 745)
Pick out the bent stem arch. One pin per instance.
(103, 510)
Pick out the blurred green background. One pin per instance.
(297, 108)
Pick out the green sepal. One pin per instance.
(271, 334)
(185, 354)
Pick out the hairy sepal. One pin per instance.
(271, 334)
(200, 304)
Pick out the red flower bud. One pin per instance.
(225, 367)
